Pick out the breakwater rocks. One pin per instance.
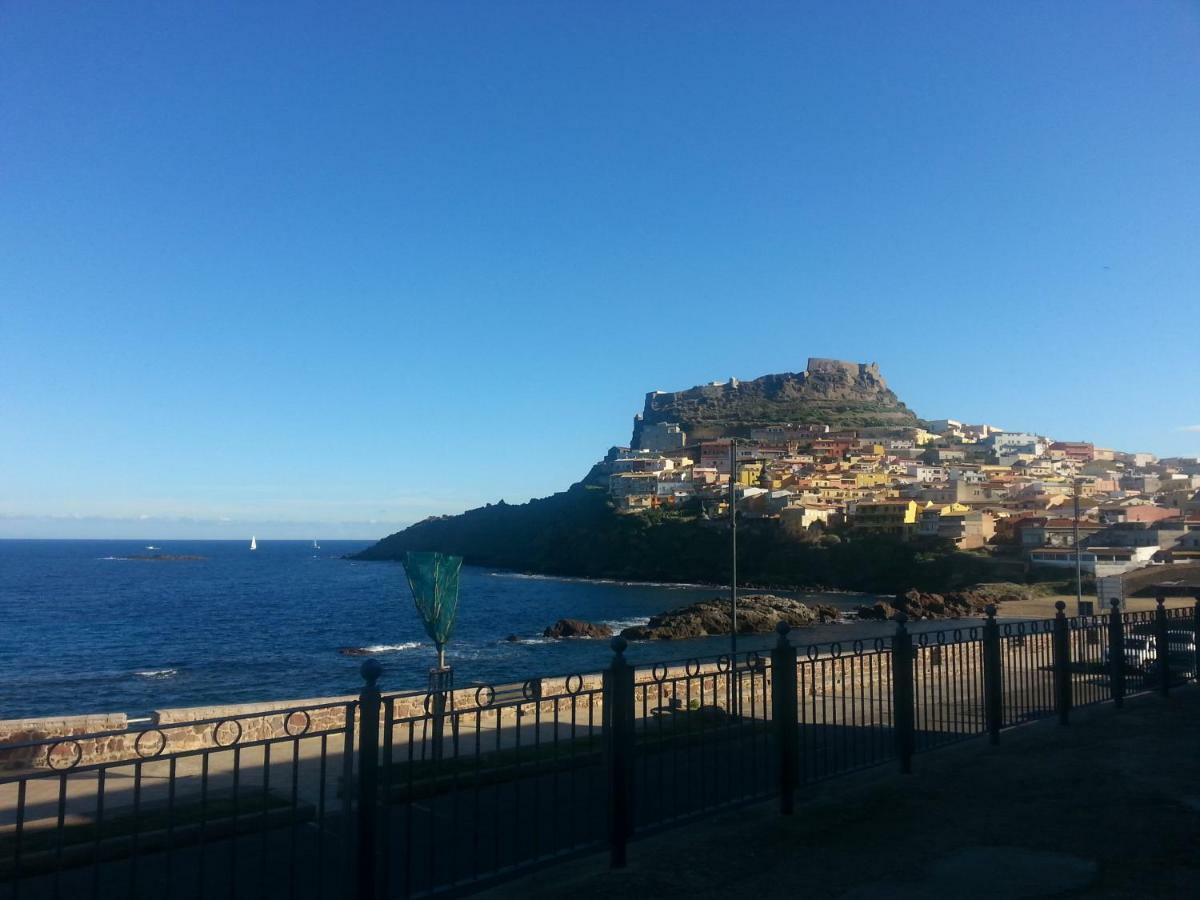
(920, 605)
(576, 628)
(757, 614)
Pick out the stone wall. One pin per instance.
(575, 701)
(20, 731)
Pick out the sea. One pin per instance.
(88, 627)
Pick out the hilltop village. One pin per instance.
(839, 485)
(977, 487)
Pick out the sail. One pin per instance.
(253, 544)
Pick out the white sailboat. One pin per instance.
(316, 546)
(253, 543)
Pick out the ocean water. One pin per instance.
(83, 629)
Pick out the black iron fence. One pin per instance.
(399, 795)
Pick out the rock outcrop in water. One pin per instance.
(576, 628)
(757, 614)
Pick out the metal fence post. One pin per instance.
(993, 685)
(1196, 637)
(618, 745)
(1162, 645)
(1116, 653)
(1062, 664)
(368, 780)
(783, 713)
(902, 693)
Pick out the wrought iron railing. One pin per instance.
(398, 795)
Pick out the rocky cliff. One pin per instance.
(829, 391)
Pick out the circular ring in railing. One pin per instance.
(237, 732)
(490, 695)
(753, 658)
(1007, 628)
(858, 647)
(941, 638)
(1021, 628)
(427, 704)
(835, 649)
(972, 633)
(723, 663)
(922, 639)
(659, 672)
(143, 751)
(878, 645)
(293, 731)
(532, 689)
(692, 667)
(68, 762)
(812, 652)
(578, 684)
(956, 635)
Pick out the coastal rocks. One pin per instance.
(757, 614)
(577, 628)
(920, 605)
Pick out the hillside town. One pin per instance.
(976, 486)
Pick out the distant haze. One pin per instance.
(158, 529)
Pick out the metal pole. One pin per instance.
(1061, 646)
(783, 715)
(1078, 558)
(733, 553)
(993, 696)
(1162, 645)
(368, 779)
(1116, 653)
(618, 721)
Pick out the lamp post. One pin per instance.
(733, 552)
(1078, 557)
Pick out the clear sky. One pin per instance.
(314, 269)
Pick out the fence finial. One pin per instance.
(782, 628)
(1114, 603)
(1060, 606)
(900, 618)
(618, 644)
(371, 670)
(991, 610)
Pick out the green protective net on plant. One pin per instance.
(433, 578)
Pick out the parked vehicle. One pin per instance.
(1140, 652)
(1181, 641)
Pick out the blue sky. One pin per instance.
(307, 269)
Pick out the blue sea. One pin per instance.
(84, 628)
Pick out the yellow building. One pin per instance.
(894, 517)
(748, 474)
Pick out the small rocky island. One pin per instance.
(165, 557)
(576, 628)
(757, 614)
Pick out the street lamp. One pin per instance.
(733, 553)
(1078, 556)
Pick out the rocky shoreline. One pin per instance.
(757, 614)
(921, 605)
(760, 613)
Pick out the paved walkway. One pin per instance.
(1108, 807)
